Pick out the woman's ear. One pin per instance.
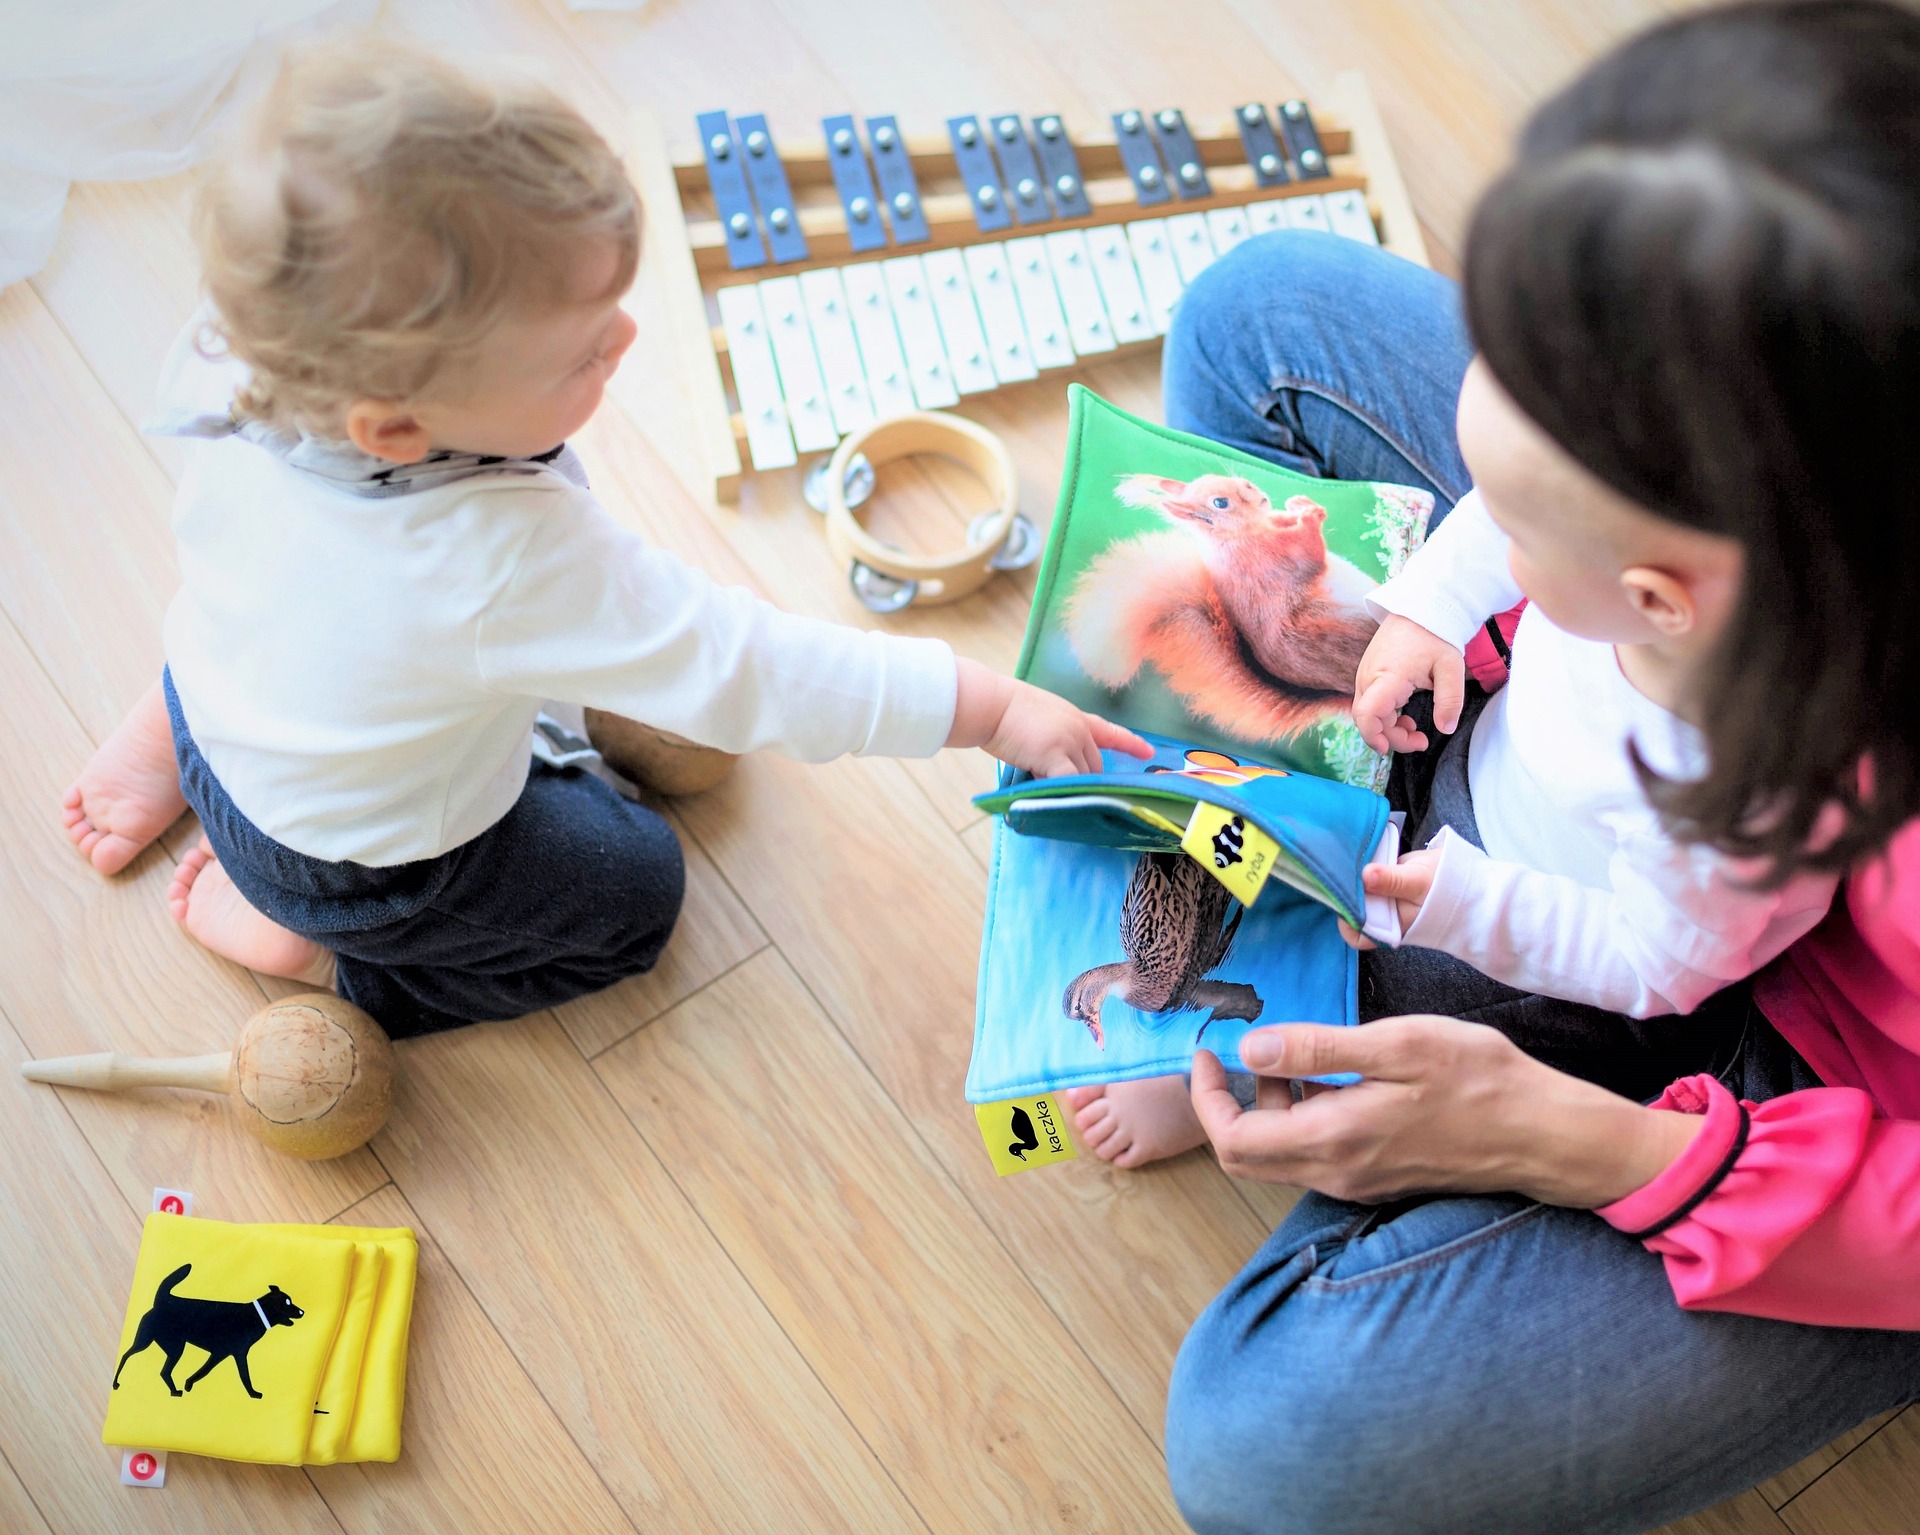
(387, 429)
(1663, 601)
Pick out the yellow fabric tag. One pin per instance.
(1234, 851)
(1025, 1132)
(216, 1306)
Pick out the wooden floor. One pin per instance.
(718, 1250)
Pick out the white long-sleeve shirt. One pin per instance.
(1580, 893)
(361, 669)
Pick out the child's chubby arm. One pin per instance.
(1030, 728)
(1452, 584)
(1676, 924)
(590, 613)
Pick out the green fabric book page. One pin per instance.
(1199, 593)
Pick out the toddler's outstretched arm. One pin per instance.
(1031, 728)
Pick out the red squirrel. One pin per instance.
(1243, 611)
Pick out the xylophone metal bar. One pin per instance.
(992, 281)
(930, 329)
(991, 312)
(809, 162)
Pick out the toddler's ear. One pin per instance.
(386, 429)
(1662, 600)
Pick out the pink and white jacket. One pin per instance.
(1807, 1207)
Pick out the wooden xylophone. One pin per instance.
(831, 283)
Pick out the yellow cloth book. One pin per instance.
(272, 1343)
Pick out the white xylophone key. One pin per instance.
(1228, 226)
(793, 354)
(1039, 302)
(992, 282)
(927, 368)
(1347, 213)
(1120, 284)
(959, 321)
(1309, 213)
(1153, 259)
(880, 353)
(1072, 264)
(757, 381)
(847, 395)
(1268, 216)
(1192, 245)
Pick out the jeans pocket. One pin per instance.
(1431, 1231)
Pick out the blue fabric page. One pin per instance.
(1054, 914)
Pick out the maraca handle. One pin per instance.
(110, 1071)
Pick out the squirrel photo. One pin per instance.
(1241, 608)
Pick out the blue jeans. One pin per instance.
(1454, 1364)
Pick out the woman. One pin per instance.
(1601, 1327)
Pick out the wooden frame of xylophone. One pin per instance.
(729, 330)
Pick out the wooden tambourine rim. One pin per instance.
(925, 431)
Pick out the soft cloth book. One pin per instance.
(274, 1343)
(1215, 603)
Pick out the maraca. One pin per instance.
(312, 1075)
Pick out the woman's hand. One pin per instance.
(1031, 728)
(1445, 1106)
(1403, 659)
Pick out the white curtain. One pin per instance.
(114, 90)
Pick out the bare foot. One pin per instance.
(210, 907)
(1133, 1123)
(129, 792)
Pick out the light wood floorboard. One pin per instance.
(719, 1249)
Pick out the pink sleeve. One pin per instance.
(1805, 1208)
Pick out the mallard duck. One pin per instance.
(1176, 924)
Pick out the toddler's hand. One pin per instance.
(1048, 736)
(1401, 660)
(1031, 728)
(1407, 882)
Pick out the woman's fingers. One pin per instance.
(1213, 1100)
(1390, 1050)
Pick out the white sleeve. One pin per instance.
(1456, 580)
(1679, 923)
(594, 615)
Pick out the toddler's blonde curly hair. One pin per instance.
(381, 212)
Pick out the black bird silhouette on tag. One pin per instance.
(1023, 1128)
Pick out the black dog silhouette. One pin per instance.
(226, 1329)
(1023, 1128)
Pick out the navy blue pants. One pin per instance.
(572, 889)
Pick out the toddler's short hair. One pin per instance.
(381, 212)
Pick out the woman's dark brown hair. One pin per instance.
(1702, 278)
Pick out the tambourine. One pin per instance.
(887, 579)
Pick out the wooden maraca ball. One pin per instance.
(311, 1076)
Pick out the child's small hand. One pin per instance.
(1403, 659)
(1033, 729)
(1407, 883)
